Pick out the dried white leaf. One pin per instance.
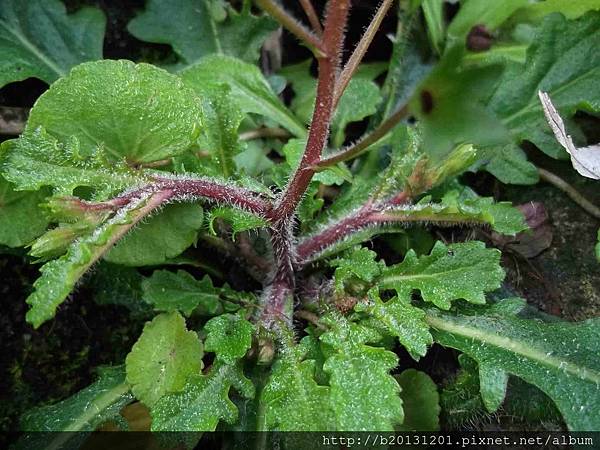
(585, 160)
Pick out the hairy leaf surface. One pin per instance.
(163, 358)
(457, 271)
(558, 357)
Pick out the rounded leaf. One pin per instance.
(133, 111)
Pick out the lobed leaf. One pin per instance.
(39, 39)
(203, 401)
(400, 319)
(229, 336)
(458, 271)
(37, 159)
(292, 399)
(558, 357)
(363, 395)
(163, 358)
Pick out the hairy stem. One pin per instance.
(368, 215)
(291, 24)
(363, 144)
(360, 50)
(561, 184)
(333, 36)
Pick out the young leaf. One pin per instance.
(399, 318)
(359, 263)
(420, 400)
(163, 358)
(558, 357)
(203, 401)
(197, 28)
(466, 271)
(38, 39)
(21, 218)
(492, 386)
(239, 220)
(229, 336)
(78, 415)
(169, 291)
(134, 112)
(59, 277)
(37, 159)
(364, 396)
(164, 236)
(249, 89)
(292, 399)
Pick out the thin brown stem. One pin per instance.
(310, 12)
(561, 184)
(291, 24)
(363, 144)
(360, 50)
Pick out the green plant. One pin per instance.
(136, 166)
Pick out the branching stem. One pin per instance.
(311, 14)
(561, 184)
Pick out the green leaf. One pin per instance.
(534, 12)
(597, 246)
(21, 218)
(558, 357)
(292, 399)
(482, 12)
(364, 396)
(492, 386)
(510, 165)
(359, 100)
(454, 209)
(566, 68)
(357, 263)
(133, 112)
(399, 318)
(163, 358)
(420, 400)
(249, 88)
(37, 159)
(38, 39)
(78, 415)
(229, 336)
(59, 276)
(221, 120)
(239, 220)
(467, 270)
(293, 151)
(433, 12)
(169, 291)
(197, 28)
(164, 236)
(203, 401)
